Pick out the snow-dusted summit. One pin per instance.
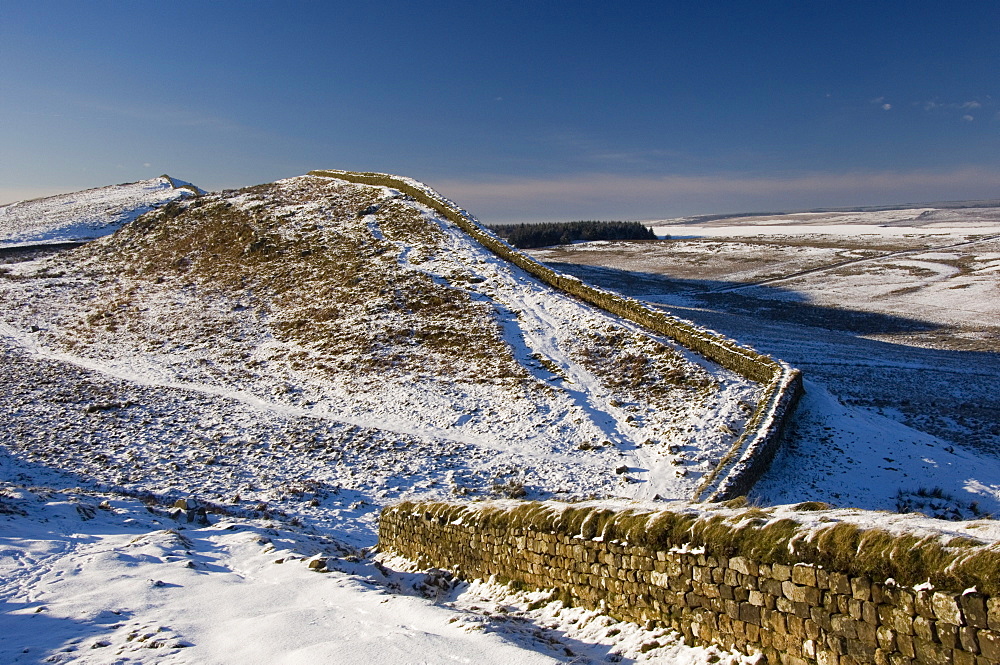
(88, 214)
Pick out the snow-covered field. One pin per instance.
(893, 318)
(295, 356)
(92, 578)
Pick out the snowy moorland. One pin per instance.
(204, 413)
(289, 358)
(88, 214)
(891, 315)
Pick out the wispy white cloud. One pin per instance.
(593, 196)
(967, 118)
(882, 104)
(934, 105)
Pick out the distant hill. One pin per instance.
(87, 214)
(937, 210)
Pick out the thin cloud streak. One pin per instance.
(615, 196)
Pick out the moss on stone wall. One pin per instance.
(837, 595)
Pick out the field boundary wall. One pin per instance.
(751, 454)
(794, 607)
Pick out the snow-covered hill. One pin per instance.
(291, 357)
(391, 354)
(297, 355)
(88, 214)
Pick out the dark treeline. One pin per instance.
(525, 236)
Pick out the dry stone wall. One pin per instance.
(794, 614)
(751, 454)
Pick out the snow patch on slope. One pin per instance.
(87, 214)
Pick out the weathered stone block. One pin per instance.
(732, 609)
(750, 614)
(801, 594)
(837, 644)
(967, 639)
(866, 632)
(804, 574)
(812, 629)
(861, 588)
(869, 614)
(787, 659)
(905, 645)
(844, 626)
(947, 634)
(946, 608)
(931, 653)
(993, 613)
(840, 583)
(743, 565)
(886, 638)
(770, 586)
(781, 572)
(843, 605)
(861, 651)
(924, 629)
(778, 623)
(827, 657)
(973, 607)
(989, 644)
(901, 621)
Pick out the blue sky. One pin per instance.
(519, 111)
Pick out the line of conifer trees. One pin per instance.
(525, 236)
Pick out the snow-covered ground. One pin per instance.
(854, 300)
(535, 395)
(85, 215)
(92, 578)
(279, 382)
(296, 356)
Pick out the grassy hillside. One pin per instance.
(356, 304)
